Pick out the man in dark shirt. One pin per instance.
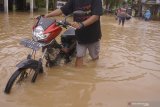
(88, 26)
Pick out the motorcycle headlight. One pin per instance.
(38, 33)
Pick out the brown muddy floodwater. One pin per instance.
(126, 75)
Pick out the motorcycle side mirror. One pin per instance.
(79, 13)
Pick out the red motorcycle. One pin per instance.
(44, 33)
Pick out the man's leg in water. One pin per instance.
(94, 49)
(120, 20)
(123, 20)
(81, 51)
(79, 61)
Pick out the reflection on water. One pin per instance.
(128, 68)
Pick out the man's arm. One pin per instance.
(91, 20)
(56, 12)
(87, 22)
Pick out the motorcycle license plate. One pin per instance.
(31, 44)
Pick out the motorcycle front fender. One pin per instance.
(28, 63)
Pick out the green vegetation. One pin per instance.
(40, 3)
(116, 3)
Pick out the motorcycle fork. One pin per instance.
(40, 65)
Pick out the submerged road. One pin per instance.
(127, 73)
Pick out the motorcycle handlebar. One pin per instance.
(38, 17)
(63, 23)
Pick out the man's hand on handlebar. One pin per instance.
(77, 25)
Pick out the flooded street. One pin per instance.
(128, 70)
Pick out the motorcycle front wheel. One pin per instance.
(18, 76)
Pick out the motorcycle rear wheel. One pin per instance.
(17, 77)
